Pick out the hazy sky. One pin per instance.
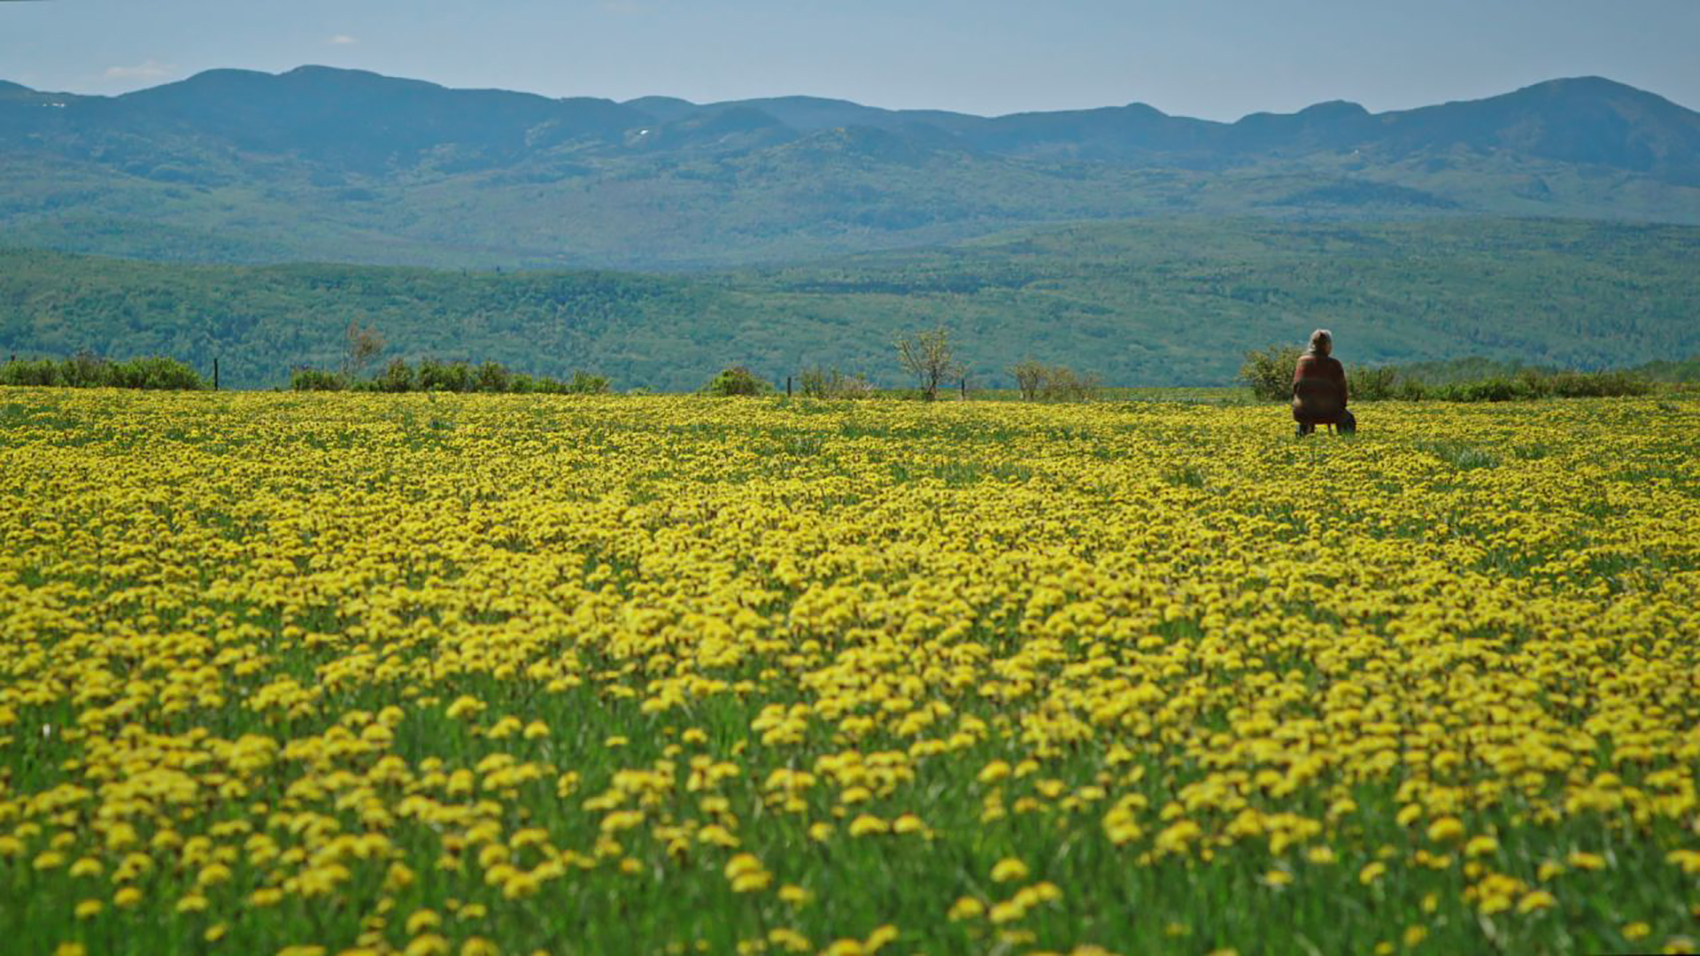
(1218, 59)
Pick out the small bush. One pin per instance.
(819, 382)
(155, 372)
(90, 371)
(736, 380)
(1685, 372)
(1269, 372)
(491, 377)
(1062, 384)
(315, 380)
(1035, 380)
(931, 358)
(1599, 385)
(855, 387)
(585, 383)
(86, 370)
(1512, 384)
(435, 376)
(1029, 375)
(1411, 390)
(1490, 390)
(361, 346)
(40, 373)
(396, 377)
(1373, 384)
(582, 383)
(812, 382)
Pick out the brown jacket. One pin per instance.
(1319, 389)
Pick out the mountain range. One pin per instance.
(336, 165)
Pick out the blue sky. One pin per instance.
(1218, 59)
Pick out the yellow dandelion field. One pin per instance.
(320, 674)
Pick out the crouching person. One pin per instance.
(1319, 388)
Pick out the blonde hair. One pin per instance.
(1320, 338)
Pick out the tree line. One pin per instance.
(930, 357)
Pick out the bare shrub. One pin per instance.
(362, 344)
(1063, 384)
(1029, 375)
(819, 382)
(930, 358)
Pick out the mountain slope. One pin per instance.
(345, 165)
(1589, 121)
(1145, 303)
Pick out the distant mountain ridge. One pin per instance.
(350, 165)
(1582, 120)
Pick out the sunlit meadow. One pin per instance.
(435, 674)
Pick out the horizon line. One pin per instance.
(839, 99)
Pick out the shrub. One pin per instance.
(930, 357)
(435, 376)
(856, 386)
(396, 377)
(819, 382)
(1489, 390)
(155, 372)
(1686, 371)
(86, 370)
(1598, 384)
(1269, 372)
(491, 377)
(1373, 384)
(1460, 369)
(1029, 375)
(1411, 390)
(315, 380)
(812, 382)
(361, 346)
(1063, 384)
(582, 383)
(42, 372)
(585, 383)
(1435, 380)
(736, 380)
(89, 371)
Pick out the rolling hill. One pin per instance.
(1158, 302)
(335, 165)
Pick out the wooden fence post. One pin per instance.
(787, 386)
(215, 374)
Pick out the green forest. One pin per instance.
(1141, 303)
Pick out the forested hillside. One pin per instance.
(336, 165)
(1140, 303)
